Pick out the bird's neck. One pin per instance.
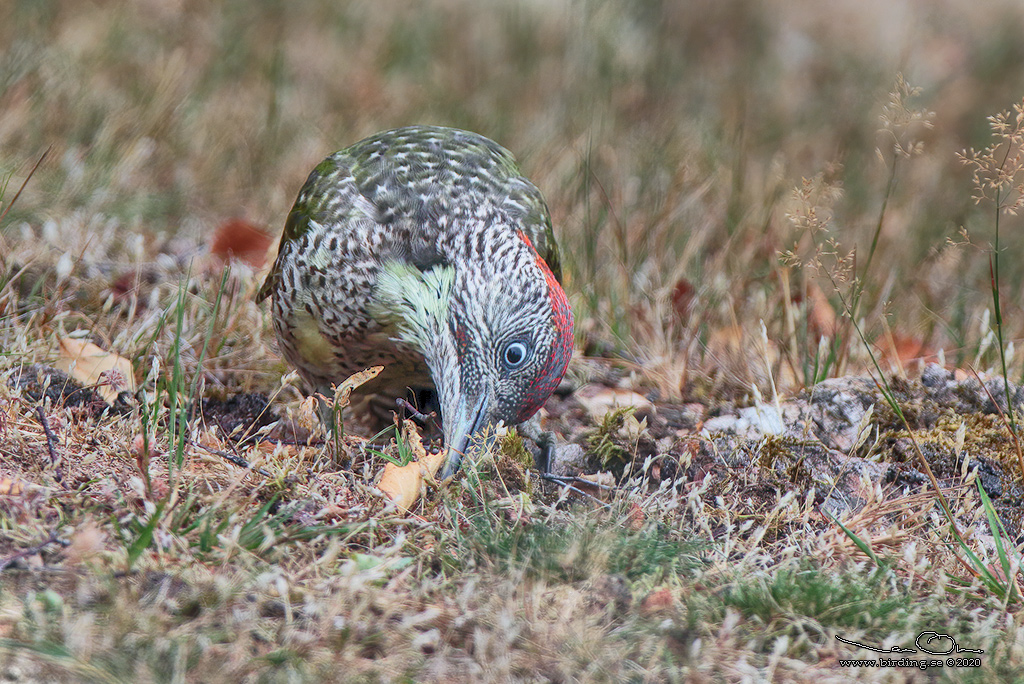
(414, 302)
(416, 305)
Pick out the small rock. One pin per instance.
(997, 389)
(598, 401)
(726, 424)
(935, 376)
(752, 422)
(568, 460)
(837, 407)
(686, 416)
(989, 477)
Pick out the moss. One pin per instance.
(513, 462)
(605, 442)
(786, 456)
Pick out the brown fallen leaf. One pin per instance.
(92, 366)
(239, 239)
(657, 602)
(309, 409)
(309, 417)
(684, 295)
(905, 352)
(343, 391)
(9, 487)
(403, 483)
(821, 317)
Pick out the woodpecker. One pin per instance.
(424, 250)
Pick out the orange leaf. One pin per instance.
(236, 238)
(905, 351)
(821, 317)
(403, 483)
(659, 601)
(109, 373)
(9, 487)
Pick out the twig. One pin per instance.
(556, 479)
(415, 412)
(237, 460)
(566, 479)
(50, 440)
(587, 494)
(25, 182)
(6, 562)
(255, 439)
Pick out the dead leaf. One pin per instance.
(109, 373)
(9, 487)
(684, 295)
(309, 418)
(905, 352)
(403, 483)
(239, 239)
(343, 391)
(309, 409)
(657, 602)
(821, 317)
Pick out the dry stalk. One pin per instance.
(51, 439)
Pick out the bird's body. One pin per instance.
(423, 250)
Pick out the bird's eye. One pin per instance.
(516, 354)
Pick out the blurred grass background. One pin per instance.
(667, 137)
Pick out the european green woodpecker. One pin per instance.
(424, 250)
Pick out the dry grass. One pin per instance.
(668, 139)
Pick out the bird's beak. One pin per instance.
(466, 419)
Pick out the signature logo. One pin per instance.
(932, 643)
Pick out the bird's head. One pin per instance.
(495, 330)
